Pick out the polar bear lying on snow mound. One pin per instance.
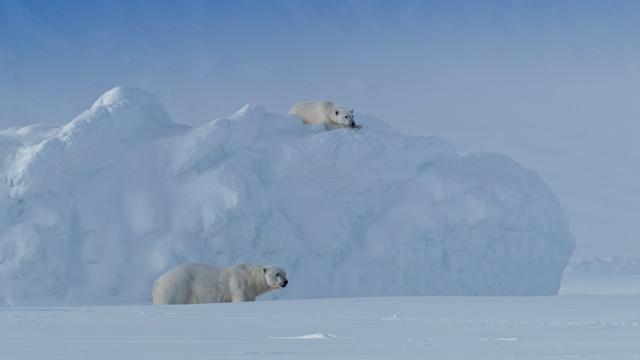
(324, 112)
(199, 283)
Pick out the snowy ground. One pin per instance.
(601, 285)
(556, 327)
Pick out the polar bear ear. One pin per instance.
(264, 270)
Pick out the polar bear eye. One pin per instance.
(337, 112)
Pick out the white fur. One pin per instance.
(324, 112)
(199, 283)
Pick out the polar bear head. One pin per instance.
(276, 277)
(342, 116)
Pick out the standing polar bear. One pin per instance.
(324, 112)
(199, 283)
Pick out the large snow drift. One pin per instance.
(94, 210)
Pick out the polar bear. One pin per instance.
(324, 112)
(200, 283)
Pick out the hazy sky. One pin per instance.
(553, 84)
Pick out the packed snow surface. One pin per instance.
(94, 210)
(540, 327)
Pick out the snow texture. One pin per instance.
(93, 211)
(504, 328)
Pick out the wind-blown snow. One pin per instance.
(94, 210)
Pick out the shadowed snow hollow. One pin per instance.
(95, 210)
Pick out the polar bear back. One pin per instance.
(191, 284)
(313, 112)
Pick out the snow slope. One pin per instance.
(94, 210)
(558, 327)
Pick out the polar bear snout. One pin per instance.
(284, 283)
(351, 123)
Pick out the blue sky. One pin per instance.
(553, 84)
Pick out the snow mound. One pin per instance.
(93, 211)
(149, 106)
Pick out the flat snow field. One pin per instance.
(556, 327)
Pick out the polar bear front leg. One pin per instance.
(238, 289)
(242, 298)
